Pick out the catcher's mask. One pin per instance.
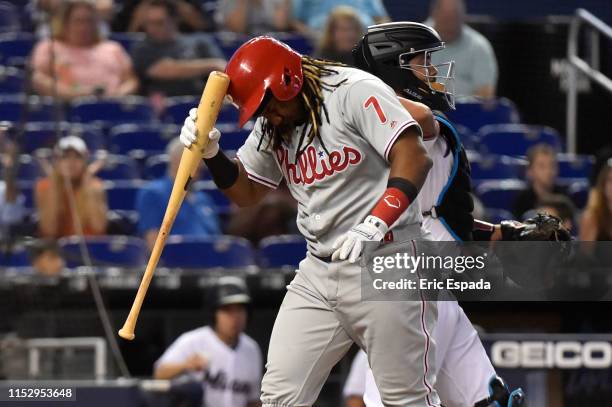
(386, 51)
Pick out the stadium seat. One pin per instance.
(44, 135)
(499, 194)
(497, 167)
(516, 139)
(177, 109)
(210, 252)
(233, 140)
(118, 167)
(494, 215)
(127, 39)
(29, 169)
(26, 188)
(17, 256)
(474, 114)
(16, 108)
(284, 250)
(575, 166)
(468, 138)
(156, 166)
(144, 137)
(579, 193)
(110, 112)
(106, 251)
(122, 194)
(12, 80)
(15, 48)
(222, 204)
(229, 42)
(296, 41)
(9, 18)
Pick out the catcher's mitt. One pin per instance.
(542, 227)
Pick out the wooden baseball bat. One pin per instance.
(208, 110)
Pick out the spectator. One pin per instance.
(475, 63)
(354, 387)
(309, 16)
(229, 360)
(12, 209)
(596, 222)
(71, 199)
(78, 62)
(542, 171)
(196, 216)
(253, 17)
(342, 31)
(47, 259)
(190, 16)
(167, 63)
(43, 12)
(560, 206)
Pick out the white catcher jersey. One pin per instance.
(337, 191)
(233, 377)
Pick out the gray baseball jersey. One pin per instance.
(365, 120)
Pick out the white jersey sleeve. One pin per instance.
(373, 111)
(260, 165)
(256, 383)
(356, 380)
(180, 350)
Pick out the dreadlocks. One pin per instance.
(312, 97)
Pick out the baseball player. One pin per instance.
(354, 160)
(399, 53)
(226, 360)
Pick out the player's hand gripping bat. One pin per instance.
(208, 109)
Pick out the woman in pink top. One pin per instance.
(82, 63)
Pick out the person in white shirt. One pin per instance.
(226, 360)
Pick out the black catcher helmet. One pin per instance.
(231, 290)
(386, 50)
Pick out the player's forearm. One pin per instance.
(409, 159)
(168, 371)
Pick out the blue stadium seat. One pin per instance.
(476, 113)
(233, 140)
(127, 39)
(296, 41)
(211, 252)
(468, 138)
(15, 48)
(44, 135)
(12, 80)
(9, 18)
(118, 167)
(222, 204)
(494, 215)
(112, 111)
(106, 251)
(177, 109)
(497, 167)
(284, 250)
(26, 188)
(499, 194)
(31, 109)
(516, 139)
(156, 166)
(579, 193)
(122, 194)
(575, 166)
(29, 169)
(142, 136)
(17, 256)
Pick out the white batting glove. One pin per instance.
(189, 134)
(350, 244)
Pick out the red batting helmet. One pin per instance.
(258, 65)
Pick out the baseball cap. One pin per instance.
(232, 290)
(72, 143)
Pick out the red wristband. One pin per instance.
(392, 204)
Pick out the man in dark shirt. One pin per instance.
(542, 172)
(169, 64)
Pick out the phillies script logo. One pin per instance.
(313, 166)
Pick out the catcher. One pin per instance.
(399, 54)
